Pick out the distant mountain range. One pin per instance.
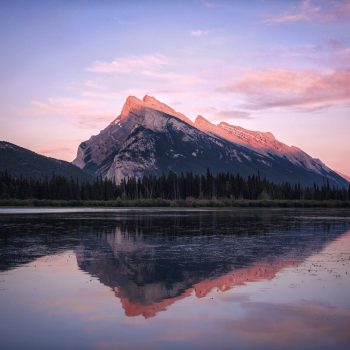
(149, 137)
(19, 161)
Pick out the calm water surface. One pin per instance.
(174, 279)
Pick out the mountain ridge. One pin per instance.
(19, 161)
(149, 137)
(262, 142)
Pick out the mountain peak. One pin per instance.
(153, 103)
(133, 104)
(151, 100)
(200, 120)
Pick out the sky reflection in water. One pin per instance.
(169, 279)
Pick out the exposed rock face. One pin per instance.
(149, 137)
(264, 143)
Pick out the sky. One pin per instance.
(269, 65)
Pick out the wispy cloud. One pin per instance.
(199, 32)
(112, 95)
(335, 44)
(170, 91)
(304, 89)
(209, 3)
(173, 78)
(129, 64)
(312, 10)
(65, 106)
(91, 84)
(150, 66)
(212, 4)
(85, 112)
(233, 114)
(100, 95)
(341, 58)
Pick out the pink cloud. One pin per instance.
(67, 106)
(170, 91)
(151, 66)
(306, 89)
(129, 64)
(173, 78)
(335, 44)
(88, 113)
(100, 95)
(235, 114)
(312, 10)
(341, 57)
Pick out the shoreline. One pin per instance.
(189, 203)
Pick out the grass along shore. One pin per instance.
(188, 203)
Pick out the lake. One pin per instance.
(174, 279)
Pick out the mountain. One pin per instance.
(21, 161)
(265, 144)
(149, 137)
(346, 177)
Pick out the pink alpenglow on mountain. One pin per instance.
(149, 137)
(261, 142)
(133, 104)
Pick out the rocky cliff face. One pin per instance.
(149, 137)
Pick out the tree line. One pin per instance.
(171, 187)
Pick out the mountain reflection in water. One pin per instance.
(150, 261)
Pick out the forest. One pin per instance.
(168, 187)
